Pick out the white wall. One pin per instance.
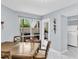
(64, 33)
(59, 40)
(11, 22)
(11, 26)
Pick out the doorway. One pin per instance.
(73, 31)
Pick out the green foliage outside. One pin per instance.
(46, 27)
(24, 23)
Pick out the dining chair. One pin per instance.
(17, 38)
(5, 55)
(26, 39)
(35, 40)
(43, 50)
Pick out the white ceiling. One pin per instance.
(38, 7)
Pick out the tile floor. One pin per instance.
(72, 53)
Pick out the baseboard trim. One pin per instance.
(55, 51)
(64, 51)
(58, 52)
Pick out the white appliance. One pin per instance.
(73, 35)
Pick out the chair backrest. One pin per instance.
(17, 38)
(46, 47)
(44, 44)
(35, 40)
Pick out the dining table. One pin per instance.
(21, 50)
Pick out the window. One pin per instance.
(24, 23)
(29, 27)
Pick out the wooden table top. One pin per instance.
(20, 49)
(24, 49)
(6, 46)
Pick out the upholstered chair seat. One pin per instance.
(40, 55)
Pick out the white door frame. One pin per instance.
(42, 28)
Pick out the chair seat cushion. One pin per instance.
(40, 54)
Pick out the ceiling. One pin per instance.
(38, 7)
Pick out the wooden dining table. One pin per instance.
(21, 50)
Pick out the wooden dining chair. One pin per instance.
(42, 52)
(17, 38)
(34, 40)
(5, 55)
